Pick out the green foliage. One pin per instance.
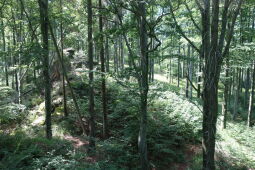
(11, 113)
(197, 162)
(237, 142)
(168, 130)
(21, 152)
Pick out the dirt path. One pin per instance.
(77, 142)
(82, 144)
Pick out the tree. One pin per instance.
(251, 101)
(213, 53)
(44, 21)
(4, 53)
(91, 78)
(144, 86)
(102, 60)
(62, 55)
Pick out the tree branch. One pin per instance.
(231, 30)
(191, 17)
(180, 29)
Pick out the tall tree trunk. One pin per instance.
(14, 30)
(122, 60)
(187, 80)
(43, 4)
(183, 69)
(20, 39)
(170, 70)
(199, 78)
(62, 56)
(237, 93)
(211, 74)
(226, 95)
(247, 86)
(91, 78)
(178, 67)
(103, 86)
(144, 87)
(116, 66)
(187, 71)
(5, 55)
(251, 108)
(107, 52)
(191, 72)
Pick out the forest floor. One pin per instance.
(230, 147)
(235, 147)
(233, 144)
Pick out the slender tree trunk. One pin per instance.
(122, 60)
(43, 4)
(115, 57)
(20, 40)
(199, 78)
(183, 68)
(191, 73)
(237, 93)
(241, 82)
(178, 68)
(144, 87)
(170, 70)
(191, 78)
(226, 95)
(62, 56)
(103, 86)
(107, 53)
(247, 86)
(91, 78)
(187, 71)
(14, 55)
(251, 108)
(187, 80)
(5, 55)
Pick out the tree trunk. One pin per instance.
(5, 55)
(237, 93)
(14, 56)
(191, 72)
(170, 70)
(144, 87)
(103, 86)
(107, 53)
(91, 79)
(62, 56)
(116, 57)
(178, 67)
(250, 112)
(20, 40)
(199, 78)
(211, 74)
(187, 80)
(226, 95)
(122, 60)
(43, 4)
(247, 87)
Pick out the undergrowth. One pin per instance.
(173, 122)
